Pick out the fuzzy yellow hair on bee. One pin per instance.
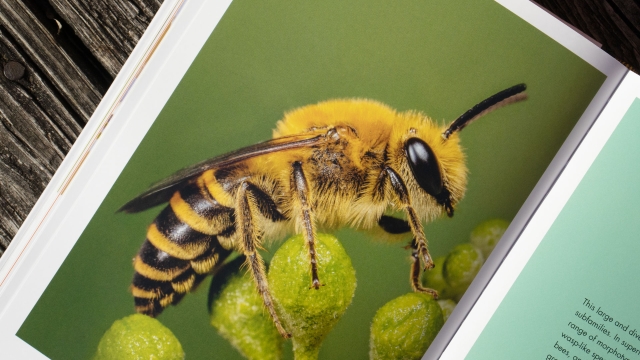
(336, 163)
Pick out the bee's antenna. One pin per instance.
(504, 97)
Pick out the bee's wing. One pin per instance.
(162, 191)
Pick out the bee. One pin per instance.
(336, 163)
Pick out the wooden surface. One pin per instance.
(58, 57)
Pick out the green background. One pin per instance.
(440, 57)
(590, 251)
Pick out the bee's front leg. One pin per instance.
(400, 189)
(249, 238)
(398, 226)
(416, 285)
(420, 252)
(300, 191)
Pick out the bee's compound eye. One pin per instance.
(424, 166)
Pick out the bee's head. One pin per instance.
(426, 171)
(435, 158)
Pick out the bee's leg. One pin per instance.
(416, 285)
(300, 191)
(400, 189)
(249, 235)
(395, 226)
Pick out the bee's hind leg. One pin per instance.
(300, 190)
(395, 226)
(249, 241)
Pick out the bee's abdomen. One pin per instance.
(181, 249)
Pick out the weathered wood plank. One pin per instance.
(32, 91)
(110, 29)
(40, 46)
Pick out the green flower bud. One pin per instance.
(138, 337)
(486, 235)
(447, 307)
(309, 314)
(433, 279)
(405, 327)
(238, 313)
(460, 267)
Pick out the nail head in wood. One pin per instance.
(13, 70)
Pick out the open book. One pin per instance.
(211, 77)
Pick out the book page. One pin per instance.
(262, 61)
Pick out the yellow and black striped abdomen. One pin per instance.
(182, 248)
